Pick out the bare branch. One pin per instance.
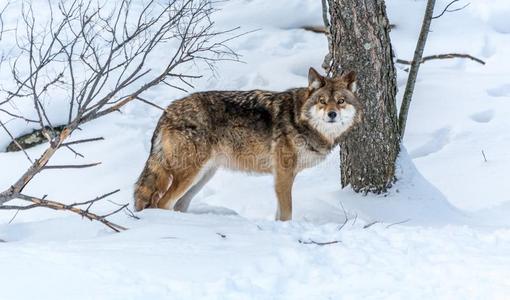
(71, 166)
(2, 19)
(443, 56)
(345, 216)
(74, 151)
(326, 64)
(397, 223)
(14, 216)
(318, 243)
(315, 29)
(40, 202)
(445, 10)
(128, 211)
(83, 141)
(370, 224)
(16, 142)
(484, 157)
(150, 103)
(74, 208)
(17, 116)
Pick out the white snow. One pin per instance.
(442, 232)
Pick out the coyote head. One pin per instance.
(331, 108)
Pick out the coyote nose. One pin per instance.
(332, 114)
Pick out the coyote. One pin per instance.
(280, 133)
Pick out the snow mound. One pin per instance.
(413, 200)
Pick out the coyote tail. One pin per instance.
(152, 184)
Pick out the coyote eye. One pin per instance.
(340, 101)
(322, 100)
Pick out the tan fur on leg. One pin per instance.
(285, 166)
(156, 197)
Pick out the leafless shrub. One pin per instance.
(99, 56)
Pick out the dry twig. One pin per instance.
(398, 223)
(445, 10)
(370, 224)
(74, 208)
(309, 242)
(442, 56)
(484, 157)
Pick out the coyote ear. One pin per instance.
(350, 79)
(315, 80)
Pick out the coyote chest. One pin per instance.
(308, 157)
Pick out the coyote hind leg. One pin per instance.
(183, 203)
(182, 183)
(186, 156)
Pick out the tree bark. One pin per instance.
(360, 41)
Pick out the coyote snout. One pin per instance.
(254, 131)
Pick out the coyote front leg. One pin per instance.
(285, 171)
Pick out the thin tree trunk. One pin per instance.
(360, 41)
(415, 66)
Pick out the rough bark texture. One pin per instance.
(360, 41)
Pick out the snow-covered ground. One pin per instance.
(443, 232)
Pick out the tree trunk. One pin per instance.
(360, 41)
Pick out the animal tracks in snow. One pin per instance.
(500, 91)
(483, 117)
(438, 140)
(441, 137)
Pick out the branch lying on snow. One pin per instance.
(387, 226)
(370, 224)
(398, 223)
(442, 56)
(74, 208)
(309, 242)
(484, 157)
